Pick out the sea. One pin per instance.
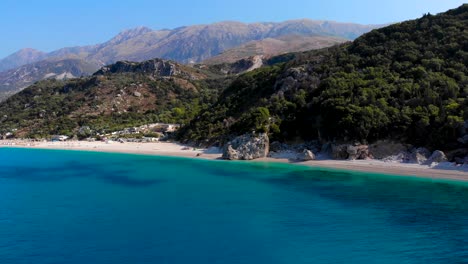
(72, 207)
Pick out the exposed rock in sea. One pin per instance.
(247, 147)
(437, 156)
(306, 155)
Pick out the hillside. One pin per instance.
(13, 81)
(270, 47)
(406, 82)
(121, 95)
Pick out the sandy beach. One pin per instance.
(445, 171)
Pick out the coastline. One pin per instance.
(179, 150)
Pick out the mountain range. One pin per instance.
(190, 44)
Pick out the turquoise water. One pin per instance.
(82, 207)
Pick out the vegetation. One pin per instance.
(407, 81)
(104, 103)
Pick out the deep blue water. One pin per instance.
(83, 207)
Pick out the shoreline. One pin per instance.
(179, 150)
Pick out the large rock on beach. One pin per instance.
(306, 155)
(419, 156)
(339, 152)
(247, 147)
(383, 149)
(351, 152)
(437, 156)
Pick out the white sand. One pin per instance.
(160, 148)
(447, 172)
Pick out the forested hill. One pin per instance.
(407, 81)
(121, 95)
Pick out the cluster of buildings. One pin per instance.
(145, 133)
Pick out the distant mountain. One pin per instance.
(187, 44)
(17, 79)
(21, 57)
(274, 46)
(191, 44)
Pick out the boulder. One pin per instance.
(247, 147)
(339, 151)
(384, 149)
(418, 155)
(437, 156)
(306, 155)
(230, 153)
(137, 94)
(348, 151)
(352, 152)
(358, 152)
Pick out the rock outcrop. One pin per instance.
(155, 67)
(358, 152)
(348, 151)
(418, 155)
(247, 147)
(306, 155)
(339, 152)
(437, 156)
(383, 149)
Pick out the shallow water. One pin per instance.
(85, 207)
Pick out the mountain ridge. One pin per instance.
(270, 47)
(189, 44)
(20, 58)
(150, 43)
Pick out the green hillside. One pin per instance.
(407, 81)
(126, 94)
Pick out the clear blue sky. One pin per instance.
(50, 24)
